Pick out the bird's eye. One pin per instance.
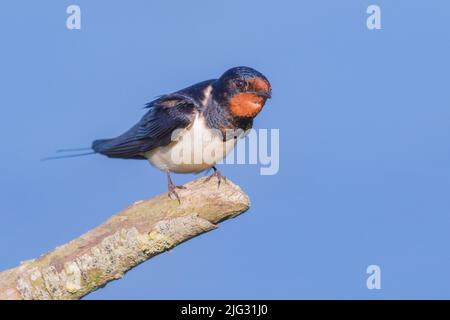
(241, 84)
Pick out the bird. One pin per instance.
(211, 108)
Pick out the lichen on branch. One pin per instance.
(141, 231)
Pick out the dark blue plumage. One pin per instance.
(166, 114)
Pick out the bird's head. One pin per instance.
(243, 90)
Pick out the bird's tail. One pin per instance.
(99, 146)
(107, 147)
(70, 155)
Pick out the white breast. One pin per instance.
(195, 149)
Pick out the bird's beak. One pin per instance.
(265, 95)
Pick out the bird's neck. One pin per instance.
(219, 117)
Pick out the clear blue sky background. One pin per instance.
(364, 127)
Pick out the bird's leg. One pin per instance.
(172, 187)
(217, 174)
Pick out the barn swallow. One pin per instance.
(230, 102)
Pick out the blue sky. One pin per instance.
(364, 141)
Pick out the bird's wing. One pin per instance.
(166, 114)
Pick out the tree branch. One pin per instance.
(141, 231)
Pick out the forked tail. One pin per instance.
(70, 155)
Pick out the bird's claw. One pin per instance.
(219, 176)
(172, 192)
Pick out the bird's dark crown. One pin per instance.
(243, 73)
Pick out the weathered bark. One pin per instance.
(136, 234)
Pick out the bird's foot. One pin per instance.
(172, 188)
(173, 193)
(219, 176)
